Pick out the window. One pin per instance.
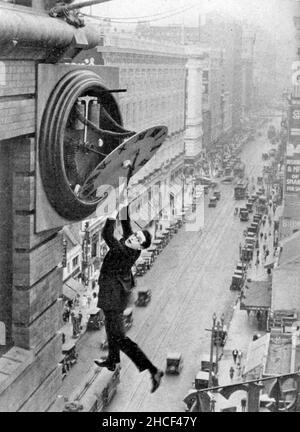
(2, 333)
(75, 261)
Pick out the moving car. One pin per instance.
(244, 215)
(174, 363)
(96, 319)
(144, 296)
(217, 194)
(212, 202)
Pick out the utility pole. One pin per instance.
(212, 350)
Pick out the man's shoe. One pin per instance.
(105, 363)
(156, 379)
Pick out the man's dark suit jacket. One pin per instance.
(116, 280)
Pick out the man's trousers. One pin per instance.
(117, 340)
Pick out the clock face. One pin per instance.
(83, 144)
(112, 170)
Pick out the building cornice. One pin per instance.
(122, 44)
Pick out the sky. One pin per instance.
(274, 15)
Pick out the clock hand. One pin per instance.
(88, 148)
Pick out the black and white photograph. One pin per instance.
(150, 209)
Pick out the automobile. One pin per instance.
(128, 318)
(212, 202)
(237, 281)
(257, 218)
(174, 363)
(217, 194)
(144, 296)
(249, 206)
(250, 241)
(69, 353)
(96, 319)
(254, 227)
(246, 254)
(206, 189)
(206, 364)
(201, 380)
(240, 190)
(244, 215)
(241, 266)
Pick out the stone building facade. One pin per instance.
(31, 282)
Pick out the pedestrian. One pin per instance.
(265, 236)
(257, 262)
(115, 285)
(212, 404)
(257, 253)
(239, 356)
(263, 222)
(270, 233)
(257, 244)
(243, 404)
(261, 235)
(89, 300)
(79, 321)
(235, 354)
(267, 253)
(231, 372)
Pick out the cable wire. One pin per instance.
(116, 21)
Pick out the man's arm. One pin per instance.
(125, 222)
(108, 231)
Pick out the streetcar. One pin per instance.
(240, 191)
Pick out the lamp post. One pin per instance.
(86, 254)
(214, 317)
(182, 197)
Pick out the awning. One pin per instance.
(256, 295)
(257, 355)
(71, 288)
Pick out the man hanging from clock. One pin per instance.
(115, 285)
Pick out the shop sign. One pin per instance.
(292, 182)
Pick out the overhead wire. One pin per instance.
(135, 19)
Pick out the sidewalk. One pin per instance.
(84, 308)
(241, 330)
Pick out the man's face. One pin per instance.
(136, 240)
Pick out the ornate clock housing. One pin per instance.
(80, 126)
